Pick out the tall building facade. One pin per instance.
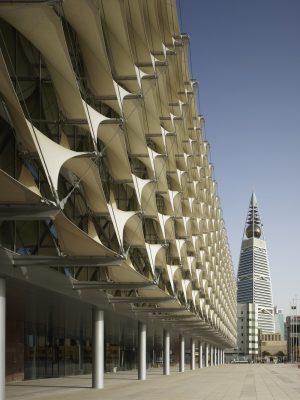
(108, 205)
(247, 330)
(279, 322)
(253, 280)
(293, 337)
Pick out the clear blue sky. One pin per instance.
(246, 57)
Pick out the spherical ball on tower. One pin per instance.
(253, 230)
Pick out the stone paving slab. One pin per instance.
(226, 382)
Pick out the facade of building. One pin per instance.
(254, 281)
(247, 330)
(279, 322)
(274, 344)
(293, 337)
(108, 205)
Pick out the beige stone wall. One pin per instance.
(273, 347)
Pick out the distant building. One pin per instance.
(254, 282)
(271, 337)
(293, 337)
(247, 330)
(279, 322)
(274, 345)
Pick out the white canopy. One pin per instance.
(74, 242)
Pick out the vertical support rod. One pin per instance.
(142, 333)
(98, 349)
(181, 353)
(2, 337)
(192, 354)
(211, 355)
(166, 352)
(200, 354)
(206, 355)
(215, 356)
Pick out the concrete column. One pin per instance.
(211, 355)
(181, 353)
(2, 337)
(206, 354)
(98, 349)
(192, 353)
(215, 356)
(142, 333)
(200, 354)
(166, 352)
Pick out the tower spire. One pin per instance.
(253, 226)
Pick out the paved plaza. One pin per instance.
(226, 382)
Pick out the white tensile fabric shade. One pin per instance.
(145, 191)
(150, 97)
(135, 126)
(195, 298)
(27, 180)
(117, 37)
(198, 277)
(83, 16)
(126, 273)
(113, 137)
(13, 191)
(140, 49)
(86, 170)
(174, 274)
(47, 24)
(167, 226)
(74, 242)
(186, 288)
(127, 225)
(52, 155)
(14, 108)
(156, 255)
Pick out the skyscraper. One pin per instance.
(279, 322)
(254, 281)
